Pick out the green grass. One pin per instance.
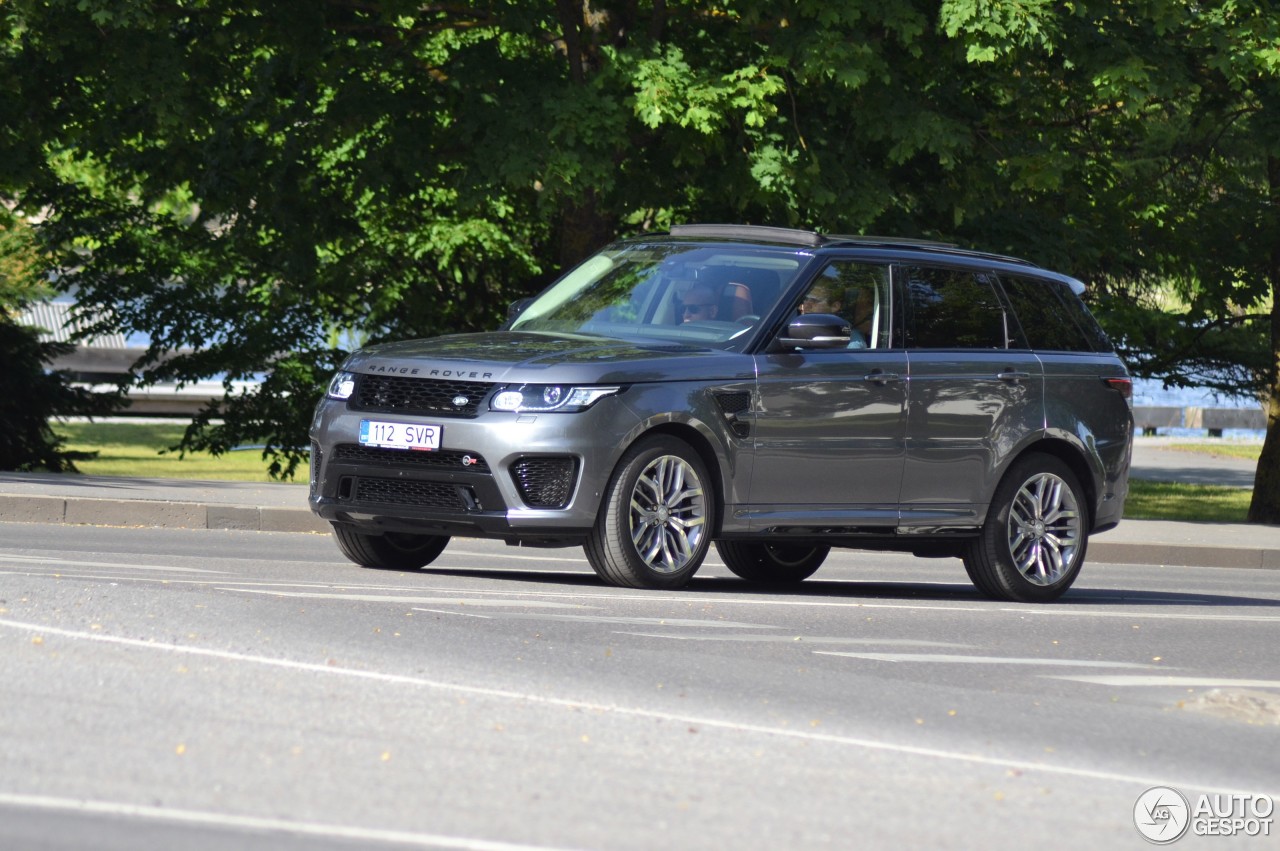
(1204, 503)
(140, 450)
(1248, 451)
(1176, 501)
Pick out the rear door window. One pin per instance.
(955, 308)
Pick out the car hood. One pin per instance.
(507, 356)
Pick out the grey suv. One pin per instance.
(777, 392)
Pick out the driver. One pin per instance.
(699, 304)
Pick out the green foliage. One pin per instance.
(30, 395)
(19, 264)
(994, 28)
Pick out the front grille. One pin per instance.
(451, 459)
(317, 456)
(545, 482)
(401, 395)
(439, 495)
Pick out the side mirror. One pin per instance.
(514, 310)
(817, 331)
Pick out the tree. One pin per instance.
(31, 394)
(238, 180)
(252, 183)
(1153, 128)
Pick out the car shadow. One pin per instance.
(872, 590)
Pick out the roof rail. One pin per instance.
(795, 236)
(791, 236)
(949, 247)
(813, 239)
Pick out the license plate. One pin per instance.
(420, 436)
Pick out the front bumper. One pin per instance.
(499, 475)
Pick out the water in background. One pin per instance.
(1149, 393)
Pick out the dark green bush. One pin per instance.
(31, 394)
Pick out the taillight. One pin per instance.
(1123, 386)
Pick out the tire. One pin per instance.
(655, 525)
(1033, 543)
(777, 564)
(389, 551)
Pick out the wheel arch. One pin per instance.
(701, 444)
(1076, 462)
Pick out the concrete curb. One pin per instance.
(154, 513)
(1182, 555)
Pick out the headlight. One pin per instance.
(544, 398)
(342, 386)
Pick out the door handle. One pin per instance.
(1012, 376)
(882, 378)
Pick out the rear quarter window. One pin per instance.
(1052, 317)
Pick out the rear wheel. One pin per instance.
(779, 564)
(389, 551)
(655, 523)
(1032, 545)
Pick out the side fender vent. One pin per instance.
(736, 408)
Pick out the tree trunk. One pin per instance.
(583, 230)
(1265, 506)
(582, 227)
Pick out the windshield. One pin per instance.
(698, 294)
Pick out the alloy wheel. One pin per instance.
(1044, 529)
(668, 514)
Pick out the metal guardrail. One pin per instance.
(1150, 419)
(163, 400)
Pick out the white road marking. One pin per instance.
(257, 823)
(461, 614)
(1129, 598)
(408, 600)
(611, 619)
(627, 711)
(1172, 616)
(1187, 682)
(949, 659)
(802, 639)
(58, 562)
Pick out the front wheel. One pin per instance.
(778, 564)
(655, 523)
(389, 551)
(1032, 545)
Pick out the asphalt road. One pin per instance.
(221, 689)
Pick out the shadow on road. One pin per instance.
(871, 590)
